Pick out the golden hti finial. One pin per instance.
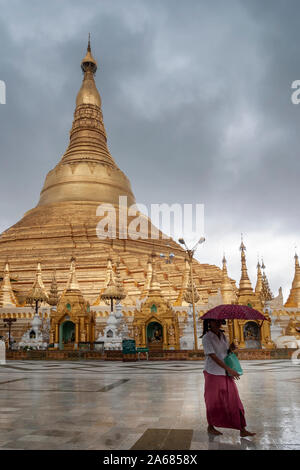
(242, 246)
(89, 64)
(224, 262)
(296, 257)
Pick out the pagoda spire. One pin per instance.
(72, 284)
(266, 293)
(38, 292)
(119, 283)
(53, 296)
(245, 287)
(88, 63)
(114, 289)
(154, 288)
(110, 278)
(227, 290)
(97, 177)
(294, 298)
(7, 296)
(147, 283)
(258, 287)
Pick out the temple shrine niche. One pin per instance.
(72, 322)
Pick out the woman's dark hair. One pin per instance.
(206, 326)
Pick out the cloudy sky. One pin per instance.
(197, 107)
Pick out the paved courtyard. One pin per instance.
(150, 405)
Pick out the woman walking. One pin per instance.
(224, 408)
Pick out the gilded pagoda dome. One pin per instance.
(64, 222)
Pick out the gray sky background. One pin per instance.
(197, 107)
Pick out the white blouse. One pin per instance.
(213, 345)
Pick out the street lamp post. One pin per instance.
(190, 253)
(9, 321)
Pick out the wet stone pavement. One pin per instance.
(142, 405)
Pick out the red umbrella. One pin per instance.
(232, 311)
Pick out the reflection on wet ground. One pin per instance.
(114, 405)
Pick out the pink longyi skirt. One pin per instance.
(224, 408)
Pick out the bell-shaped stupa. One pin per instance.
(64, 222)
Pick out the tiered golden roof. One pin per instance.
(266, 293)
(245, 295)
(38, 292)
(154, 288)
(53, 295)
(114, 289)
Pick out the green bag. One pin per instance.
(232, 361)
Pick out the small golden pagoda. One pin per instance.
(38, 292)
(72, 322)
(156, 324)
(250, 333)
(259, 284)
(228, 291)
(293, 300)
(7, 296)
(245, 295)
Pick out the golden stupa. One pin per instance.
(63, 224)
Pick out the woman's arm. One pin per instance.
(222, 364)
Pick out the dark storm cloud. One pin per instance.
(196, 102)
